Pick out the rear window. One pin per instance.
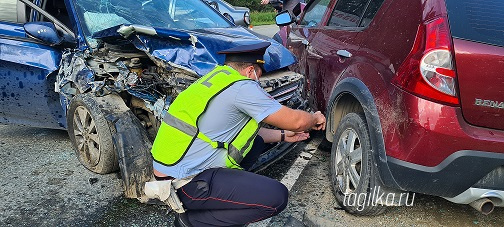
(347, 13)
(480, 21)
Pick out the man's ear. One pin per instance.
(249, 71)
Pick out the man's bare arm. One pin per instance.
(296, 120)
(274, 135)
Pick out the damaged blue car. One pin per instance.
(107, 71)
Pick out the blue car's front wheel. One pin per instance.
(91, 135)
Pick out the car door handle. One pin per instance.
(344, 53)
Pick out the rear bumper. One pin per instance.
(457, 173)
(473, 194)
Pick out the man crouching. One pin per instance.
(212, 133)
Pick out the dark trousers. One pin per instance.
(227, 197)
(258, 147)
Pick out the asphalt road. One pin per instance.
(267, 30)
(43, 184)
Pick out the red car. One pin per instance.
(413, 91)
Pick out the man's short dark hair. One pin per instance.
(241, 65)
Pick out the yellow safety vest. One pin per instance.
(180, 128)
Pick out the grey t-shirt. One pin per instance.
(227, 113)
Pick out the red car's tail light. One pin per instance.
(428, 70)
(436, 69)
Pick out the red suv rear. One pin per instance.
(414, 95)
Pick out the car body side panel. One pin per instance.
(27, 96)
(11, 30)
(386, 49)
(299, 39)
(325, 66)
(386, 53)
(367, 63)
(294, 43)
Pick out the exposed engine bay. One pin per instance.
(148, 85)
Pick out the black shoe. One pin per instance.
(181, 220)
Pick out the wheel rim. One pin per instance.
(348, 161)
(86, 136)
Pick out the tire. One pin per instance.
(91, 135)
(353, 173)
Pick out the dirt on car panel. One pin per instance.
(133, 147)
(131, 143)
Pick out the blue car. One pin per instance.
(107, 71)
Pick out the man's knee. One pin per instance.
(279, 197)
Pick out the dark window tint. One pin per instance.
(371, 11)
(314, 13)
(480, 21)
(348, 13)
(8, 10)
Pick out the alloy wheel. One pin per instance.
(86, 136)
(348, 161)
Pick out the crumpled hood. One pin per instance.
(196, 49)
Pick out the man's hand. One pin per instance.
(274, 135)
(296, 120)
(320, 121)
(264, 2)
(292, 137)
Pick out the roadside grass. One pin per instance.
(262, 18)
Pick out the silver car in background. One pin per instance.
(237, 14)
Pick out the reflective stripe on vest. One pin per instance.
(179, 127)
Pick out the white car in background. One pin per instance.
(237, 14)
